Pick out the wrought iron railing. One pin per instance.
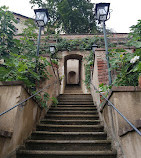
(22, 102)
(113, 106)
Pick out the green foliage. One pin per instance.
(89, 62)
(21, 67)
(42, 99)
(105, 88)
(54, 61)
(27, 43)
(128, 65)
(80, 44)
(7, 31)
(54, 101)
(70, 16)
(126, 72)
(18, 59)
(135, 35)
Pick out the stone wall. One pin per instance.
(128, 101)
(78, 55)
(100, 71)
(18, 124)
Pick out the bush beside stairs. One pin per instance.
(72, 129)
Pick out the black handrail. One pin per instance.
(110, 103)
(27, 98)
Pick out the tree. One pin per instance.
(7, 31)
(72, 16)
(135, 35)
(17, 56)
(128, 65)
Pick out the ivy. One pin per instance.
(63, 44)
(89, 63)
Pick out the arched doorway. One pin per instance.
(72, 70)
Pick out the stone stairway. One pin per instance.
(70, 130)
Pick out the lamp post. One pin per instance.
(52, 49)
(41, 20)
(94, 46)
(102, 12)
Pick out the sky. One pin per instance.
(125, 13)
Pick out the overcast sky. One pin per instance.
(125, 12)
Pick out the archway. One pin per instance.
(72, 70)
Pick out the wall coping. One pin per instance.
(124, 89)
(11, 83)
(19, 83)
(120, 89)
(121, 47)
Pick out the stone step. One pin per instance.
(75, 99)
(68, 145)
(70, 128)
(65, 154)
(73, 109)
(75, 96)
(76, 103)
(72, 117)
(45, 135)
(75, 106)
(72, 112)
(70, 122)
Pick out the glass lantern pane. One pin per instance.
(98, 14)
(106, 9)
(103, 18)
(40, 15)
(40, 23)
(102, 11)
(45, 19)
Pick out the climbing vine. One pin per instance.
(63, 44)
(89, 64)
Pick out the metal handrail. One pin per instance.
(27, 98)
(110, 103)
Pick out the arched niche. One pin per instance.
(75, 62)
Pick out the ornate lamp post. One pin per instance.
(94, 46)
(52, 49)
(41, 20)
(102, 13)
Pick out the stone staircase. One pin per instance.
(70, 130)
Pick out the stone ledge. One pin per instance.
(6, 134)
(120, 89)
(122, 47)
(126, 89)
(11, 83)
(128, 128)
